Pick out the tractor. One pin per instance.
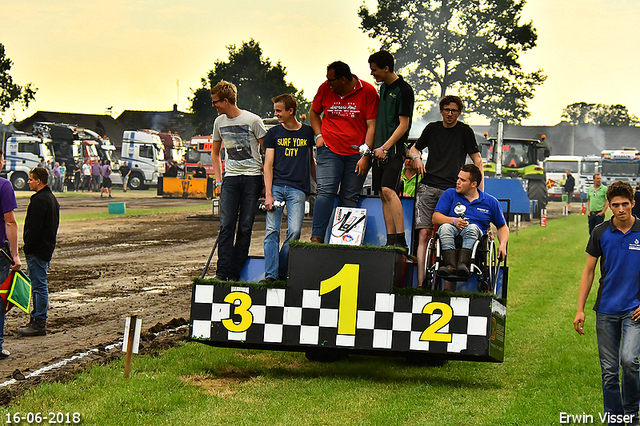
(521, 159)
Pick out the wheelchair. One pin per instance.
(485, 264)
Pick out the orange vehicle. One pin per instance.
(200, 150)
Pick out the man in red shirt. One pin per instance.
(350, 107)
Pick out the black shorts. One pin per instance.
(387, 174)
(106, 182)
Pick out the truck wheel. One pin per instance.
(537, 190)
(19, 181)
(136, 182)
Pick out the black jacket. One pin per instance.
(41, 224)
(570, 184)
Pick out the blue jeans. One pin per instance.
(276, 261)
(619, 345)
(38, 269)
(238, 199)
(594, 220)
(447, 233)
(335, 175)
(5, 269)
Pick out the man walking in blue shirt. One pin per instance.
(616, 243)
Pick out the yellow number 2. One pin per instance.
(246, 317)
(431, 333)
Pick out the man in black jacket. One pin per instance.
(40, 230)
(569, 186)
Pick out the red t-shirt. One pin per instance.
(345, 118)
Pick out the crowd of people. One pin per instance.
(83, 176)
(346, 114)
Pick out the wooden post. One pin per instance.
(130, 338)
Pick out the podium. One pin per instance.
(349, 299)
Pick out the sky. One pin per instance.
(86, 56)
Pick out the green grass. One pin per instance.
(548, 369)
(137, 212)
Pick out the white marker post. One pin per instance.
(131, 340)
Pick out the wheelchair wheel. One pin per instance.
(482, 253)
(432, 258)
(494, 265)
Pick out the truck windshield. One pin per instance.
(561, 166)
(615, 169)
(588, 167)
(193, 156)
(92, 151)
(159, 153)
(517, 154)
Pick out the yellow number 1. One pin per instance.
(347, 281)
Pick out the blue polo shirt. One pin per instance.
(482, 211)
(619, 267)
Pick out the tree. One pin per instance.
(11, 93)
(257, 80)
(469, 48)
(599, 114)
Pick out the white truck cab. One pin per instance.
(555, 167)
(143, 152)
(22, 153)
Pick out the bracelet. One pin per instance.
(218, 184)
(454, 221)
(414, 157)
(315, 138)
(383, 150)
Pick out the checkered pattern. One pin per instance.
(393, 323)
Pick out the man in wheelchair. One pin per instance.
(467, 212)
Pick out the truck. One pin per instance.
(23, 152)
(199, 150)
(143, 152)
(621, 164)
(556, 166)
(65, 146)
(104, 149)
(521, 159)
(73, 143)
(174, 146)
(590, 165)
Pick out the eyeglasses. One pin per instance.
(215, 102)
(450, 111)
(329, 80)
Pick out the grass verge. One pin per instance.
(548, 369)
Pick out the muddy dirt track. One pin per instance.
(107, 269)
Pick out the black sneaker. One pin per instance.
(267, 280)
(4, 354)
(220, 278)
(403, 247)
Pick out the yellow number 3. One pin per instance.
(246, 317)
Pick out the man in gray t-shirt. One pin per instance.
(241, 133)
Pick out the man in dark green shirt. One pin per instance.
(392, 132)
